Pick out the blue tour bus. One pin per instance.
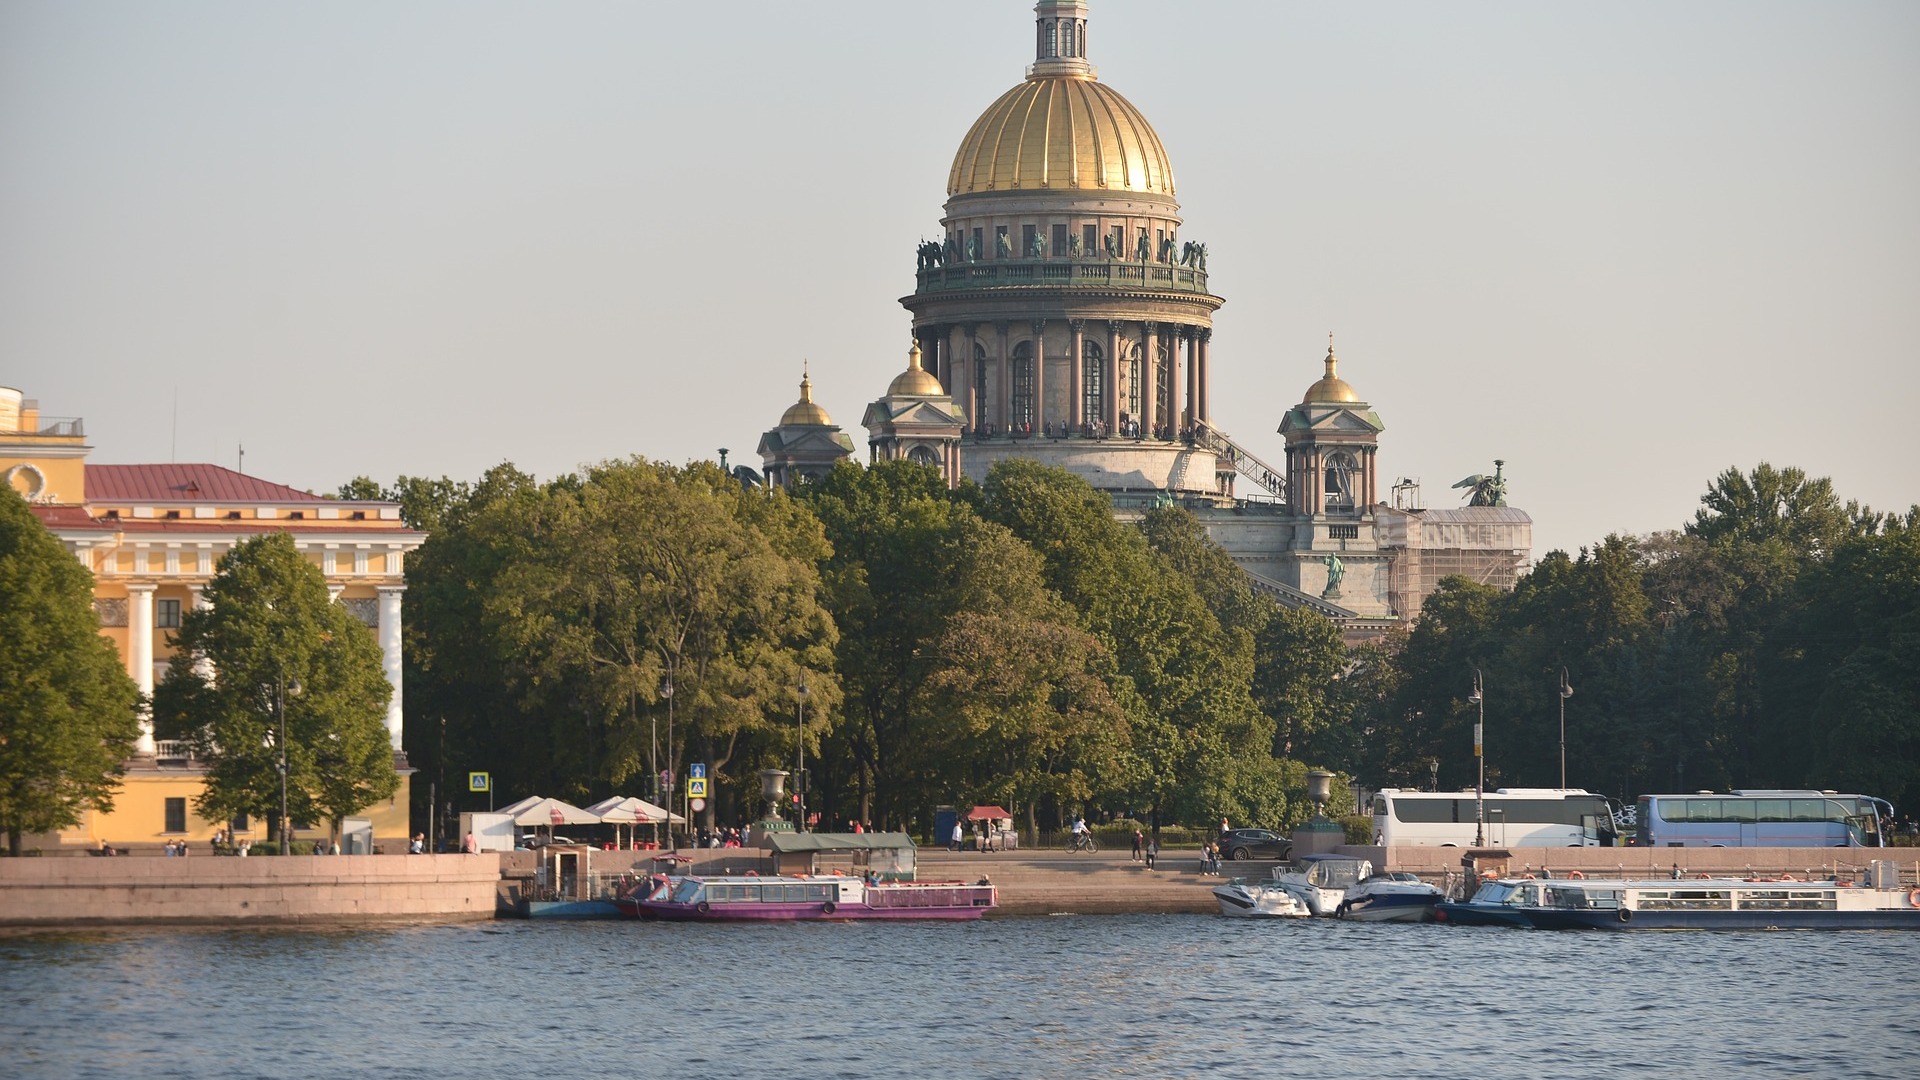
(1751, 817)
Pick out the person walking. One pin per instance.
(1137, 837)
(959, 837)
(1153, 851)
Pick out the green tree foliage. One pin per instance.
(68, 711)
(1180, 678)
(270, 624)
(551, 618)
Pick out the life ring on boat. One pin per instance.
(1624, 914)
(1526, 877)
(1913, 898)
(703, 907)
(1703, 877)
(753, 873)
(1576, 875)
(1788, 877)
(826, 908)
(1488, 875)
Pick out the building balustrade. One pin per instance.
(999, 273)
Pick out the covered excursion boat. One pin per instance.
(805, 897)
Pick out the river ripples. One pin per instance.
(1072, 997)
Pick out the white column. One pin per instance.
(202, 666)
(140, 656)
(390, 654)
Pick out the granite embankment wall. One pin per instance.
(295, 888)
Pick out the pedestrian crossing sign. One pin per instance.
(479, 781)
(696, 787)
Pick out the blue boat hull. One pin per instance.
(1889, 919)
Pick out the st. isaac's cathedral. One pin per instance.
(1062, 318)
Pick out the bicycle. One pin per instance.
(1082, 842)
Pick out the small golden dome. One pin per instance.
(1061, 132)
(805, 411)
(916, 381)
(1331, 387)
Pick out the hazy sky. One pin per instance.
(1622, 246)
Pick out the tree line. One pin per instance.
(1010, 642)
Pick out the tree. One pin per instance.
(69, 714)
(270, 626)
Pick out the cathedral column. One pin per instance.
(1203, 404)
(140, 657)
(1192, 337)
(1076, 372)
(972, 398)
(390, 655)
(1110, 393)
(1150, 371)
(1174, 383)
(1006, 380)
(1039, 376)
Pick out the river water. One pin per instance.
(1067, 996)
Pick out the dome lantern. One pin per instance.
(805, 411)
(916, 381)
(1331, 388)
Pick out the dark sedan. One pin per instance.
(1253, 844)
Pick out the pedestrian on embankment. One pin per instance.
(1137, 837)
(1153, 851)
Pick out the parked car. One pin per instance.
(1254, 844)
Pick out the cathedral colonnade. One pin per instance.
(1021, 378)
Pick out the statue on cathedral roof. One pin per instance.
(1486, 490)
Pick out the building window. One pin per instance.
(1023, 418)
(1028, 234)
(240, 824)
(233, 515)
(1052, 40)
(1163, 390)
(975, 253)
(1133, 382)
(921, 455)
(166, 614)
(176, 815)
(1340, 477)
(1117, 243)
(1001, 248)
(173, 515)
(297, 515)
(1059, 241)
(1093, 375)
(1089, 240)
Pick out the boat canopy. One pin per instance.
(783, 843)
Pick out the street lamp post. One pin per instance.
(666, 691)
(800, 772)
(1480, 759)
(1566, 691)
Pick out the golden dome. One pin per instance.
(805, 411)
(1061, 132)
(916, 381)
(1331, 387)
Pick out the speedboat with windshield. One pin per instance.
(1254, 899)
(1390, 897)
(1321, 881)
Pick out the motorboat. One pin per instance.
(1390, 897)
(799, 897)
(1242, 898)
(1498, 902)
(1321, 881)
(1880, 902)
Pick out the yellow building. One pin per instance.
(151, 535)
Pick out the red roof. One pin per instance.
(75, 519)
(185, 483)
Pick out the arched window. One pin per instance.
(1093, 368)
(1342, 474)
(1134, 383)
(1023, 420)
(1066, 39)
(1051, 46)
(921, 455)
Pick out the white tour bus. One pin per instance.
(1752, 817)
(1515, 817)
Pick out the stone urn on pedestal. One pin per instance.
(1321, 834)
(773, 788)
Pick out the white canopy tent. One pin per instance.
(629, 810)
(536, 812)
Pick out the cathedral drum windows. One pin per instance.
(1093, 367)
(1023, 420)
